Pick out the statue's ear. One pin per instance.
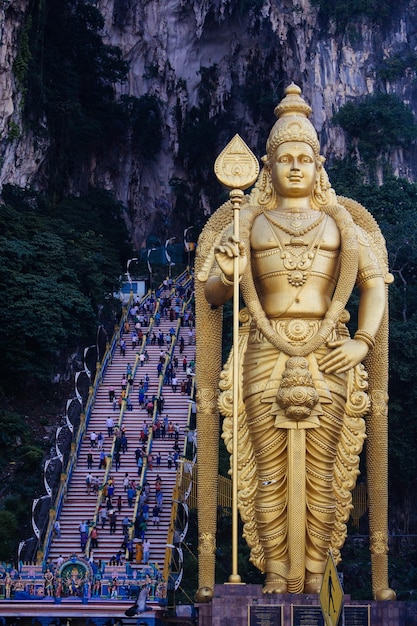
(266, 161)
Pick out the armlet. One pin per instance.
(367, 273)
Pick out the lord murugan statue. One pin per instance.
(309, 393)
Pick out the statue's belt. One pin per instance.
(293, 330)
(294, 386)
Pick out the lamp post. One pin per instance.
(167, 256)
(187, 245)
(150, 267)
(129, 278)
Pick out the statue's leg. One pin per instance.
(270, 448)
(321, 448)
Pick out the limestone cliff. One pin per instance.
(216, 67)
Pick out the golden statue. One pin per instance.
(304, 393)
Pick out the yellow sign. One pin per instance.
(331, 594)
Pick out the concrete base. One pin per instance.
(231, 607)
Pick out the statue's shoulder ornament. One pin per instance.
(368, 234)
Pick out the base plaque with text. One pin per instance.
(306, 616)
(265, 615)
(357, 615)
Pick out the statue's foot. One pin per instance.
(385, 594)
(274, 584)
(312, 583)
(204, 594)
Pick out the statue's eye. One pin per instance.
(284, 159)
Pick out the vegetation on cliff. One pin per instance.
(59, 264)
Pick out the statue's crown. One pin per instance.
(293, 123)
(292, 103)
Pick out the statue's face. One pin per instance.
(294, 170)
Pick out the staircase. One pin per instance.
(81, 503)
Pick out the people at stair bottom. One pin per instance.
(94, 537)
(140, 527)
(138, 551)
(59, 561)
(83, 541)
(146, 551)
(113, 589)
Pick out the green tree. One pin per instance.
(376, 123)
(55, 275)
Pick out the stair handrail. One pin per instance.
(179, 492)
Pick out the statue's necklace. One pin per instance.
(295, 216)
(298, 264)
(296, 231)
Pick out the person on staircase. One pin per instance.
(146, 550)
(155, 515)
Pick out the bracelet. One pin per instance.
(226, 281)
(367, 338)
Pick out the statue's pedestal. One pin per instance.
(246, 605)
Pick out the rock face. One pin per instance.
(214, 59)
(20, 152)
